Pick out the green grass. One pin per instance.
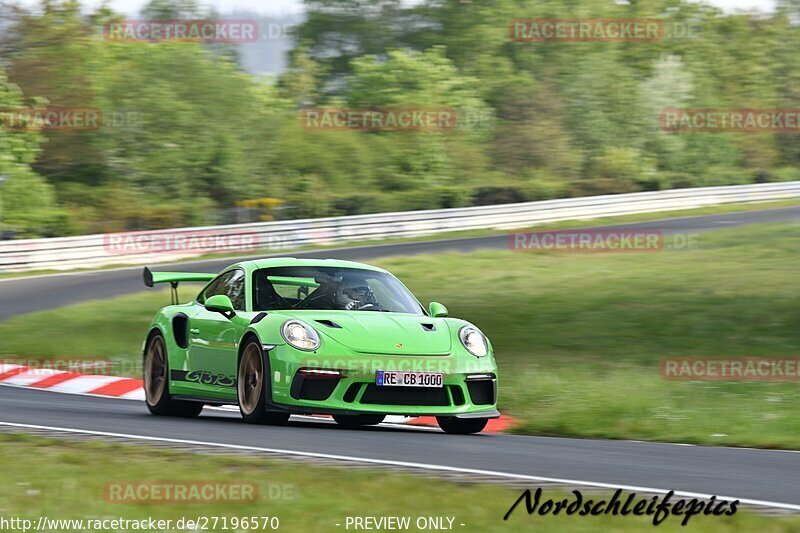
(578, 337)
(67, 480)
(641, 217)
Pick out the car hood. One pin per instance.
(383, 333)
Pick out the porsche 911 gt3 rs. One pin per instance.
(286, 336)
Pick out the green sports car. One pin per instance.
(286, 336)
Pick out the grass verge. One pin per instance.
(81, 481)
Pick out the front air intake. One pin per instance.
(315, 387)
(404, 396)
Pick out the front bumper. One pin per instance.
(347, 385)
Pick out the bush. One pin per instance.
(544, 188)
(601, 186)
(28, 207)
(415, 200)
(498, 195)
(785, 174)
(717, 176)
(355, 204)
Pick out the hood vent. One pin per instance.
(329, 323)
(428, 327)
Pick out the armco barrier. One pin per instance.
(269, 237)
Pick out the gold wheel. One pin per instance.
(155, 371)
(250, 382)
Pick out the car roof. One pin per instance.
(270, 262)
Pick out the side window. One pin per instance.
(216, 287)
(234, 288)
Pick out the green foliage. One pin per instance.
(29, 206)
(27, 201)
(187, 134)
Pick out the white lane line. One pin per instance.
(406, 464)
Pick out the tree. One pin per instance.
(429, 81)
(172, 10)
(28, 202)
(340, 31)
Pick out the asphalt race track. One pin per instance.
(761, 475)
(37, 293)
(736, 472)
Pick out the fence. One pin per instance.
(268, 237)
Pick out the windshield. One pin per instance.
(330, 288)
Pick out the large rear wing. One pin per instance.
(173, 278)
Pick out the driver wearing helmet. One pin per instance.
(354, 295)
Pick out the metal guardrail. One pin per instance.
(137, 248)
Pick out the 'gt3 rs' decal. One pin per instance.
(203, 377)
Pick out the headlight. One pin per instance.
(300, 335)
(474, 341)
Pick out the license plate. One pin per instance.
(392, 378)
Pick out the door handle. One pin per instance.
(194, 331)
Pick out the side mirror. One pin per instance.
(437, 310)
(220, 303)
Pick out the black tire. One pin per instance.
(357, 421)
(461, 426)
(156, 383)
(253, 387)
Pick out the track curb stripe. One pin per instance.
(67, 382)
(119, 388)
(53, 380)
(13, 372)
